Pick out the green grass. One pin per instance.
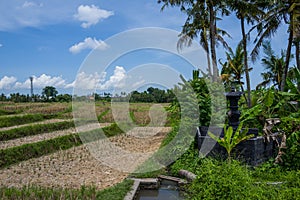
(112, 130)
(117, 192)
(7, 112)
(217, 179)
(6, 121)
(34, 130)
(100, 117)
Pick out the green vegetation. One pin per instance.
(49, 92)
(34, 130)
(33, 150)
(24, 152)
(276, 97)
(217, 179)
(101, 116)
(152, 95)
(23, 119)
(230, 139)
(112, 130)
(6, 112)
(116, 192)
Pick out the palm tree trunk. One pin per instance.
(206, 48)
(246, 63)
(297, 44)
(208, 64)
(212, 34)
(243, 91)
(287, 61)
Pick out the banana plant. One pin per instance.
(231, 138)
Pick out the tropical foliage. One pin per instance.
(231, 139)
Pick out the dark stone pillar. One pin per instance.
(233, 114)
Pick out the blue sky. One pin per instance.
(50, 40)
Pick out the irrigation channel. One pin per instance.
(165, 192)
(161, 188)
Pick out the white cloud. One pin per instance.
(91, 15)
(28, 4)
(116, 80)
(84, 81)
(88, 43)
(7, 82)
(94, 81)
(87, 81)
(42, 81)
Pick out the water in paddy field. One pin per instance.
(163, 193)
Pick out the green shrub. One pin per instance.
(291, 156)
(220, 180)
(230, 139)
(188, 161)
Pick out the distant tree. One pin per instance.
(152, 95)
(64, 98)
(50, 92)
(3, 97)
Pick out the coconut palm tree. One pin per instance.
(247, 11)
(234, 68)
(201, 21)
(279, 12)
(274, 66)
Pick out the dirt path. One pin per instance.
(49, 121)
(76, 166)
(47, 136)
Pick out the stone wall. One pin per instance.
(253, 151)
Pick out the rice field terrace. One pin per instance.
(41, 150)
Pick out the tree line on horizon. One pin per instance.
(50, 94)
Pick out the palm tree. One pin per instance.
(246, 11)
(278, 12)
(234, 68)
(191, 30)
(201, 21)
(295, 8)
(274, 66)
